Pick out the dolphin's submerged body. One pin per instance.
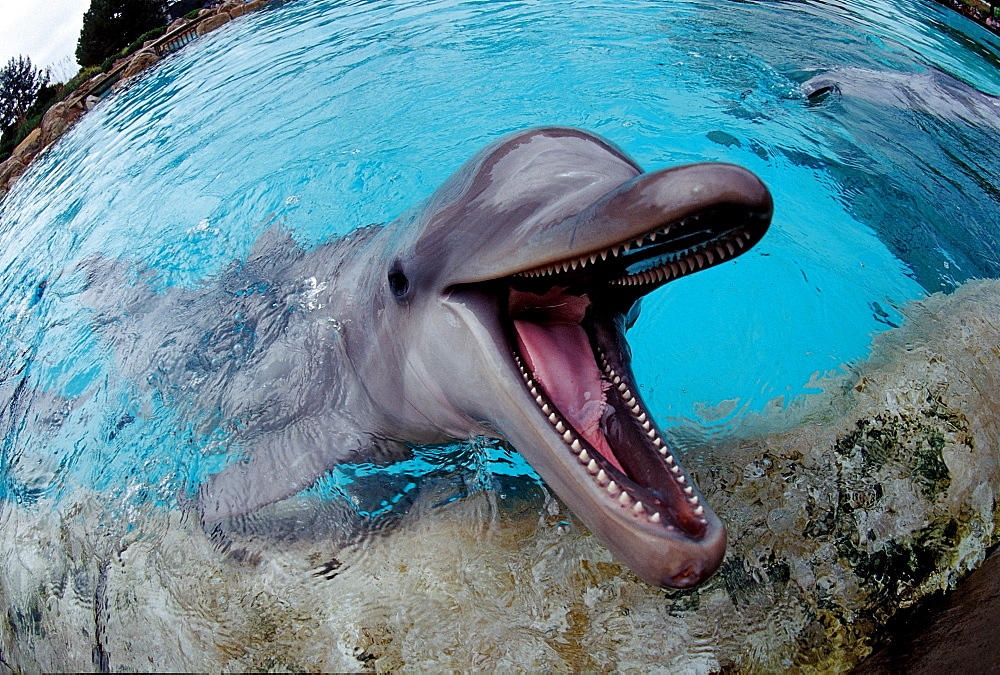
(497, 308)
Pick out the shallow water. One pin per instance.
(324, 116)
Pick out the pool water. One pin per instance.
(325, 116)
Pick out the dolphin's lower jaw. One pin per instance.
(591, 437)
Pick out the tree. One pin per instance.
(20, 83)
(110, 25)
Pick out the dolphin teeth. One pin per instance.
(575, 445)
(625, 499)
(631, 402)
(699, 510)
(553, 418)
(613, 489)
(593, 258)
(689, 490)
(546, 409)
(658, 443)
(652, 238)
(617, 380)
(604, 254)
(711, 258)
(539, 400)
(568, 436)
(602, 477)
(676, 470)
(646, 425)
(669, 458)
(693, 499)
(584, 457)
(655, 518)
(664, 451)
(615, 250)
(573, 264)
(639, 415)
(627, 246)
(560, 427)
(592, 467)
(729, 247)
(639, 508)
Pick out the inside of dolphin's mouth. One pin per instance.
(565, 325)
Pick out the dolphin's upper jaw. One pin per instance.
(564, 326)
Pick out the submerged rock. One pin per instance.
(841, 511)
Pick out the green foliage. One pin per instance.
(149, 35)
(193, 14)
(110, 25)
(20, 83)
(78, 79)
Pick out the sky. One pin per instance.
(44, 30)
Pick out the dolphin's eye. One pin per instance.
(398, 282)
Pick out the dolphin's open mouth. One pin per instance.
(565, 327)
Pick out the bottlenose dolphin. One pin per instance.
(496, 308)
(930, 91)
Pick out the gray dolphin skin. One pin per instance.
(497, 308)
(931, 92)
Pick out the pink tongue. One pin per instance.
(571, 381)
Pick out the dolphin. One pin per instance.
(932, 92)
(496, 308)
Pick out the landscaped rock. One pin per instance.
(57, 120)
(9, 171)
(237, 9)
(29, 147)
(143, 59)
(254, 5)
(213, 22)
(178, 23)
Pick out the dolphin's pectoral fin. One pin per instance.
(281, 463)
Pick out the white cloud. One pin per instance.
(44, 30)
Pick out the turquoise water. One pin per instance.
(325, 116)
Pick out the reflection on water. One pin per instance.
(325, 116)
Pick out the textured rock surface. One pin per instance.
(213, 22)
(142, 60)
(841, 511)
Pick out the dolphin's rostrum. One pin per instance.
(496, 308)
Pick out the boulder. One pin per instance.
(213, 22)
(9, 171)
(178, 23)
(57, 120)
(238, 9)
(30, 146)
(54, 122)
(143, 59)
(254, 5)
